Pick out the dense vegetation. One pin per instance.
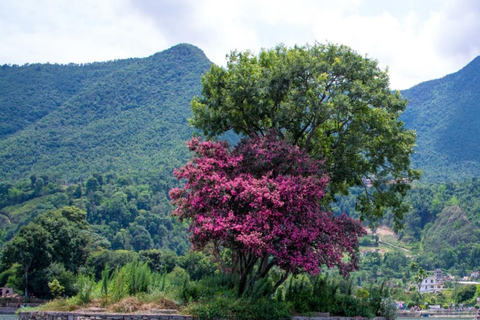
(122, 116)
(441, 227)
(124, 212)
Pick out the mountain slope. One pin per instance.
(446, 115)
(126, 115)
(30, 92)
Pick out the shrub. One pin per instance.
(351, 307)
(56, 289)
(84, 287)
(61, 304)
(388, 308)
(299, 293)
(240, 309)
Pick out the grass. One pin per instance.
(19, 212)
(134, 304)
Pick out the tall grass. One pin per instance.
(133, 278)
(84, 286)
(215, 296)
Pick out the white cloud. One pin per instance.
(458, 27)
(418, 40)
(74, 31)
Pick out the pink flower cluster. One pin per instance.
(264, 197)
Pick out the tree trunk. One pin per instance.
(26, 283)
(242, 284)
(246, 264)
(279, 282)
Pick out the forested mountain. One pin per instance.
(103, 137)
(446, 115)
(130, 115)
(123, 116)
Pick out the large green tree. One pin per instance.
(60, 237)
(67, 235)
(30, 248)
(327, 99)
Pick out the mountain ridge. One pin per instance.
(101, 116)
(135, 103)
(446, 115)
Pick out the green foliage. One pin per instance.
(55, 237)
(97, 261)
(388, 308)
(465, 293)
(104, 282)
(449, 230)
(138, 277)
(133, 278)
(56, 289)
(56, 270)
(84, 286)
(299, 290)
(445, 115)
(117, 219)
(13, 278)
(443, 236)
(123, 116)
(197, 265)
(448, 235)
(30, 248)
(243, 309)
(60, 304)
(73, 235)
(66, 236)
(328, 100)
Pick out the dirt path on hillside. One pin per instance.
(386, 235)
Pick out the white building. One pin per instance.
(432, 283)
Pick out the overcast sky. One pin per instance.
(418, 40)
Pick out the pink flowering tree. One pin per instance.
(262, 201)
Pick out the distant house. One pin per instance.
(432, 283)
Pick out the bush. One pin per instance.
(299, 293)
(217, 285)
(388, 308)
(61, 304)
(349, 306)
(197, 265)
(465, 293)
(324, 295)
(56, 288)
(240, 309)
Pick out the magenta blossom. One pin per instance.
(263, 201)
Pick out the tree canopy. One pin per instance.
(262, 201)
(331, 102)
(30, 248)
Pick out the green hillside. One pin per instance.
(446, 115)
(123, 116)
(103, 137)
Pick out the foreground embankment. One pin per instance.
(442, 313)
(51, 315)
(10, 305)
(8, 310)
